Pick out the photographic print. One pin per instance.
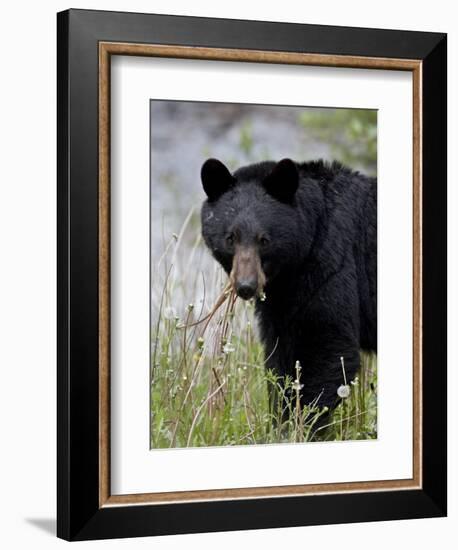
(263, 274)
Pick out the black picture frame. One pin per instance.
(79, 514)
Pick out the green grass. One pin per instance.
(209, 384)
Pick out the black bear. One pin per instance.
(300, 238)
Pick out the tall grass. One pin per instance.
(209, 383)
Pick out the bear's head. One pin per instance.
(251, 222)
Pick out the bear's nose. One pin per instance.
(246, 288)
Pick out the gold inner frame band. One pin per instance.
(106, 50)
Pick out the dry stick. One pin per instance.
(341, 409)
(188, 393)
(195, 329)
(246, 436)
(190, 340)
(191, 325)
(245, 404)
(218, 381)
(194, 420)
(227, 293)
(220, 323)
(220, 301)
(156, 334)
(229, 310)
(232, 297)
(343, 370)
(333, 423)
(223, 297)
(185, 361)
(166, 249)
(181, 233)
(224, 324)
(273, 351)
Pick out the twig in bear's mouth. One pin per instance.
(228, 292)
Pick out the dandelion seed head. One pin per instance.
(170, 313)
(343, 391)
(228, 348)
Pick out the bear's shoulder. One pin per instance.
(336, 178)
(327, 171)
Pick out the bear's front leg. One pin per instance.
(329, 331)
(324, 371)
(279, 360)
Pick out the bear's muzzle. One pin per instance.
(247, 276)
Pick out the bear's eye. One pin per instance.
(230, 239)
(263, 241)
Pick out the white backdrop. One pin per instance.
(27, 275)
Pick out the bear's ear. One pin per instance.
(282, 182)
(216, 178)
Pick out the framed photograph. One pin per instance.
(251, 274)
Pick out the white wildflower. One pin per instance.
(296, 385)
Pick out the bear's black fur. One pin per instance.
(305, 234)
